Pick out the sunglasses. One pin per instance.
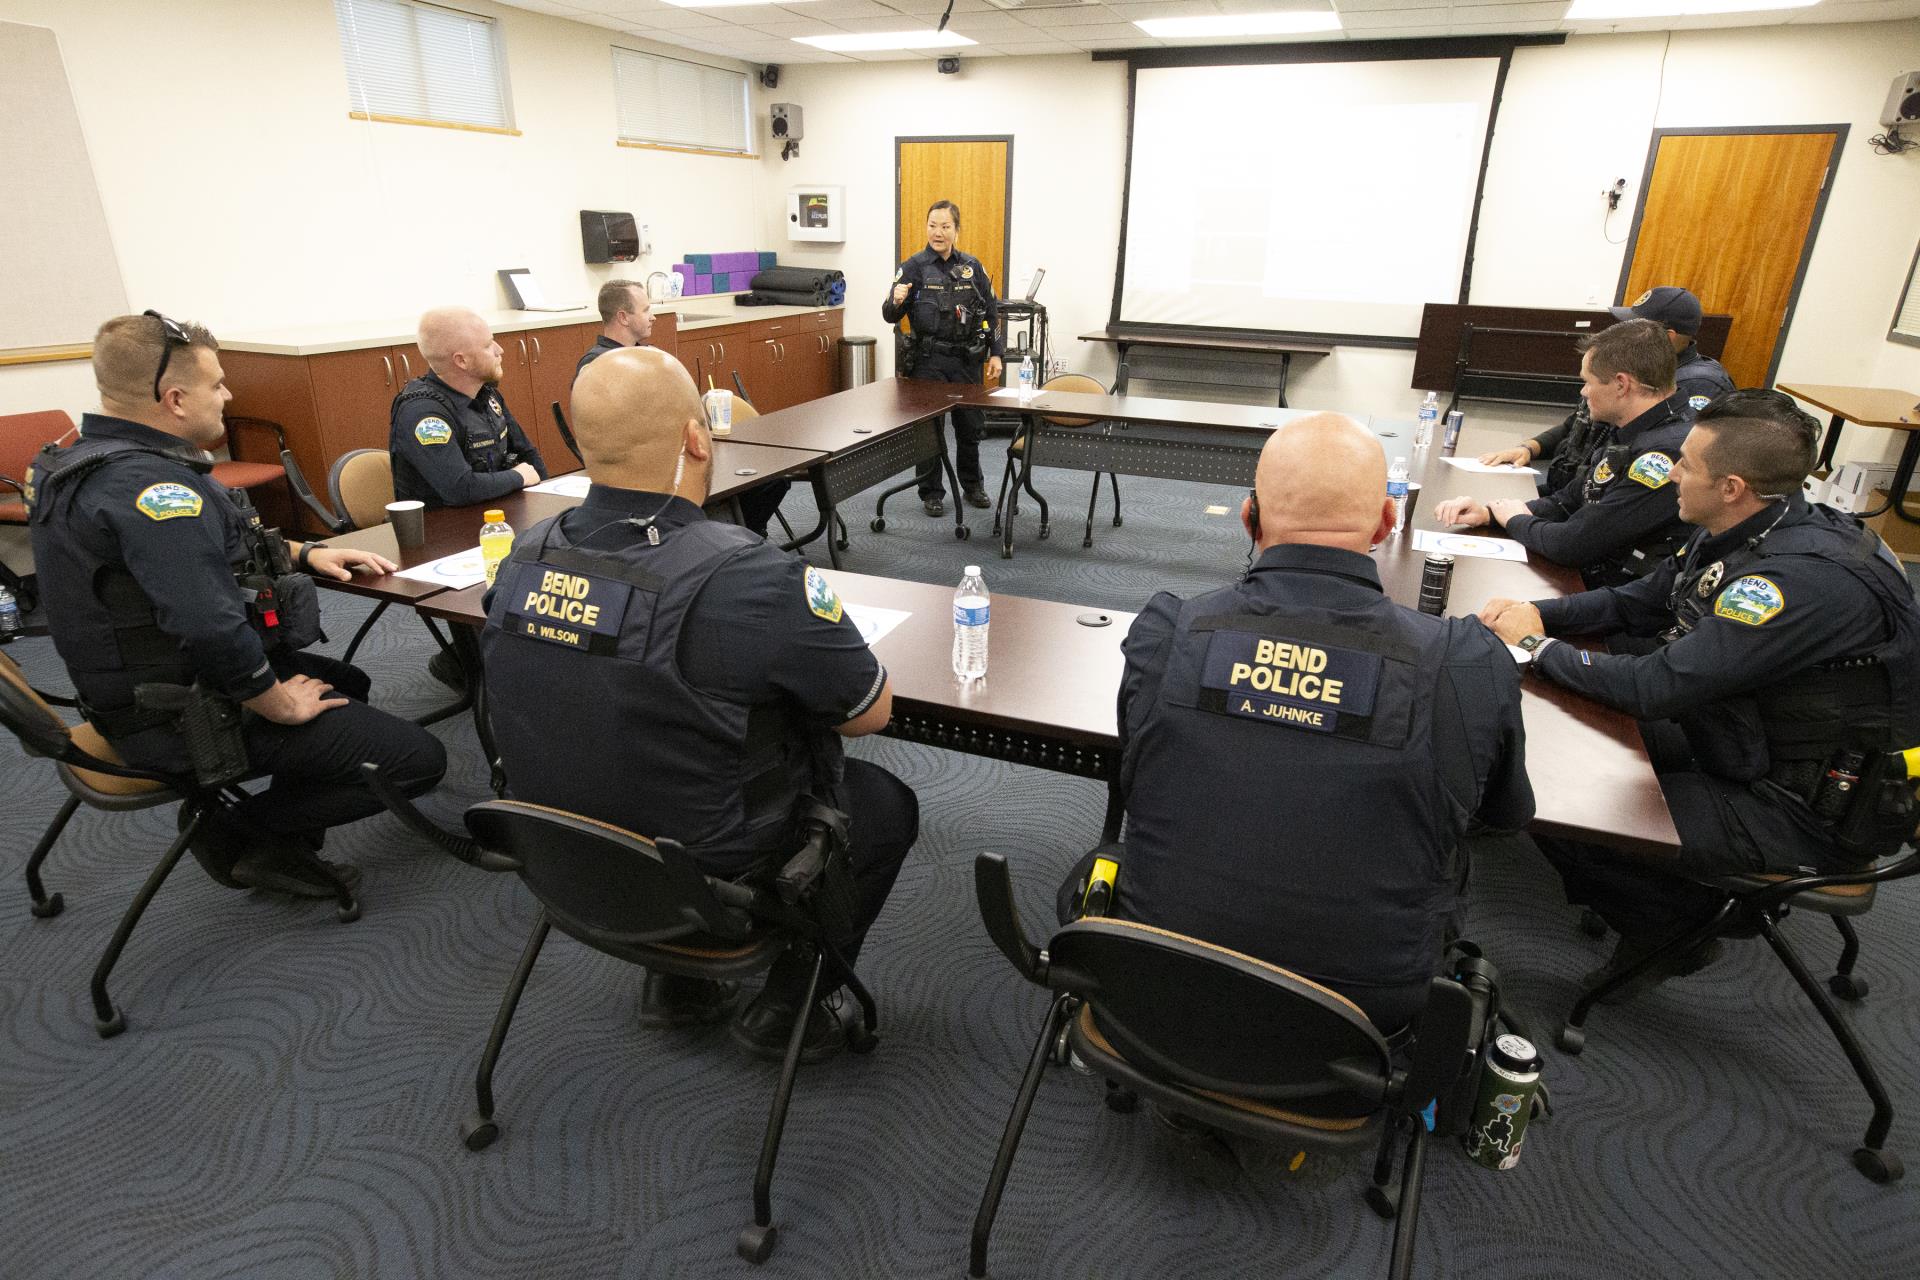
(172, 335)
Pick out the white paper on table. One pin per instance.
(875, 622)
(1468, 544)
(573, 486)
(1488, 468)
(461, 569)
(1005, 392)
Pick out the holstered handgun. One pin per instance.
(209, 723)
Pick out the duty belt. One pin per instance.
(936, 346)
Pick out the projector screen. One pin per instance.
(1314, 198)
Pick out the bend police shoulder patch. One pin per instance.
(168, 502)
(432, 431)
(1603, 474)
(821, 598)
(1651, 469)
(1750, 600)
(1697, 403)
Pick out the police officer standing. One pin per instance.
(1790, 673)
(705, 695)
(153, 575)
(453, 441)
(626, 320)
(946, 297)
(1616, 519)
(1257, 720)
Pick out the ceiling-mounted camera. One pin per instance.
(949, 66)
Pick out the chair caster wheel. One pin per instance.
(756, 1242)
(1045, 533)
(348, 914)
(1085, 543)
(1381, 1201)
(1880, 1166)
(861, 1040)
(876, 524)
(962, 532)
(110, 1027)
(1572, 1039)
(1845, 985)
(52, 907)
(1592, 925)
(1121, 1101)
(479, 1132)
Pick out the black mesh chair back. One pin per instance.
(1213, 1020)
(600, 881)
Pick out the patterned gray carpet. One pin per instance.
(287, 1098)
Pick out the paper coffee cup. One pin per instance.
(409, 520)
(719, 411)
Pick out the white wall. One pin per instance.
(238, 192)
(1573, 117)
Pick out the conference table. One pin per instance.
(1882, 407)
(1048, 698)
(1124, 338)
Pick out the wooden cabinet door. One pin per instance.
(553, 354)
(766, 375)
(666, 333)
(353, 395)
(516, 391)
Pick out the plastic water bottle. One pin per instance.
(971, 608)
(1429, 415)
(1397, 477)
(10, 619)
(496, 540)
(1026, 378)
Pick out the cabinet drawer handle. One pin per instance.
(536, 350)
(406, 366)
(388, 361)
(723, 351)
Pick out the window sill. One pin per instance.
(691, 151)
(46, 355)
(431, 124)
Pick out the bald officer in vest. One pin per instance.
(707, 695)
(1259, 720)
(452, 439)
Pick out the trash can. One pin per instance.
(856, 362)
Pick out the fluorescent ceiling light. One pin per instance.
(1286, 23)
(1617, 10)
(873, 41)
(725, 4)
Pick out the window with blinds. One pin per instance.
(1906, 318)
(680, 104)
(408, 61)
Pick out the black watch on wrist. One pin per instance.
(307, 549)
(1532, 644)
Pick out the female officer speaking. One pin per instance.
(946, 296)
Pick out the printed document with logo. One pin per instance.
(461, 569)
(875, 622)
(1435, 542)
(1488, 468)
(567, 486)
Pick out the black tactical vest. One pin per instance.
(486, 449)
(1264, 711)
(593, 715)
(1611, 462)
(949, 311)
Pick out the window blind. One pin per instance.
(1906, 321)
(423, 62)
(679, 104)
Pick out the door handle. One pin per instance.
(388, 361)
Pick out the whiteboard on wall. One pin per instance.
(1315, 198)
(57, 267)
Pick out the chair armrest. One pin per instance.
(261, 424)
(566, 433)
(993, 886)
(15, 485)
(465, 848)
(1445, 1040)
(1898, 868)
(297, 478)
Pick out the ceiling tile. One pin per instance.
(1085, 15)
(834, 10)
(1526, 11)
(787, 28)
(1164, 9)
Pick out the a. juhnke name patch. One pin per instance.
(1288, 682)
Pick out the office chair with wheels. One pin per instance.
(1146, 1008)
(566, 433)
(94, 775)
(647, 902)
(1754, 905)
(1020, 459)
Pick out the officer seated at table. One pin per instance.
(679, 677)
(452, 439)
(1615, 519)
(154, 575)
(1697, 378)
(1789, 665)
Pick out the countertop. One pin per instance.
(707, 311)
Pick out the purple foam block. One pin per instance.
(732, 262)
(685, 271)
(702, 284)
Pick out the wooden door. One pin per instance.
(353, 395)
(975, 173)
(1732, 216)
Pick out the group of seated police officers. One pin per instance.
(1762, 640)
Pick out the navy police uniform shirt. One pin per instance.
(1301, 757)
(1621, 510)
(178, 534)
(1700, 378)
(1767, 622)
(460, 460)
(939, 286)
(601, 345)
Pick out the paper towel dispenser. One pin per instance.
(609, 236)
